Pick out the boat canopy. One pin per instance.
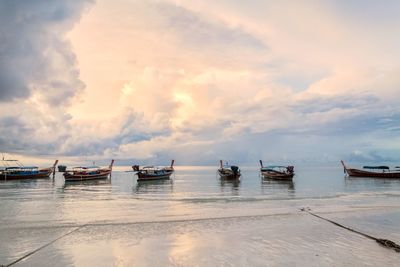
(21, 168)
(275, 166)
(86, 167)
(377, 167)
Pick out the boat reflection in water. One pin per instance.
(233, 185)
(87, 183)
(278, 184)
(272, 187)
(154, 186)
(367, 182)
(100, 187)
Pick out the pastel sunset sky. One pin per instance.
(199, 81)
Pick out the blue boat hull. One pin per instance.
(25, 175)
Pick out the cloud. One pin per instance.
(35, 57)
(197, 80)
(371, 156)
(38, 73)
(195, 30)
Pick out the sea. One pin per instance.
(197, 219)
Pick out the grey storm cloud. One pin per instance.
(33, 53)
(12, 131)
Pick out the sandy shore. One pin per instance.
(293, 239)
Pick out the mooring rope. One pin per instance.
(384, 242)
(42, 247)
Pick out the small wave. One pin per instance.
(225, 199)
(370, 194)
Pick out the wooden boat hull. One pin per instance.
(278, 175)
(88, 173)
(152, 177)
(69, 177)
(361, 173)
(385, 174)
(17, 176)
(228, 175)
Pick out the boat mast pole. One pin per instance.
(54, 168)
(111, 166)
(5, 169)
(344, 167)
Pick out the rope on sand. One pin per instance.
(383, 242)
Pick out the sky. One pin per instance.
(147, 81)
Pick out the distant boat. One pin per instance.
(84, 173)
(228, 171)
(374, 171)
(13, 169)
(150, 173)
(277, 172)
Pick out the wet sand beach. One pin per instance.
(198, 220)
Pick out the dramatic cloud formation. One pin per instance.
(38, 73)
(36, 58)
(198, 81)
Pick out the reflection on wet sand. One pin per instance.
(182, 247)
(240, 241)
(185, 221)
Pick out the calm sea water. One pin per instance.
(197, 219)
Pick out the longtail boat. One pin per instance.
(14, 170)
(150, 173)
(83, 173)
(277, 172)
(373, 171)
(226, 171)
